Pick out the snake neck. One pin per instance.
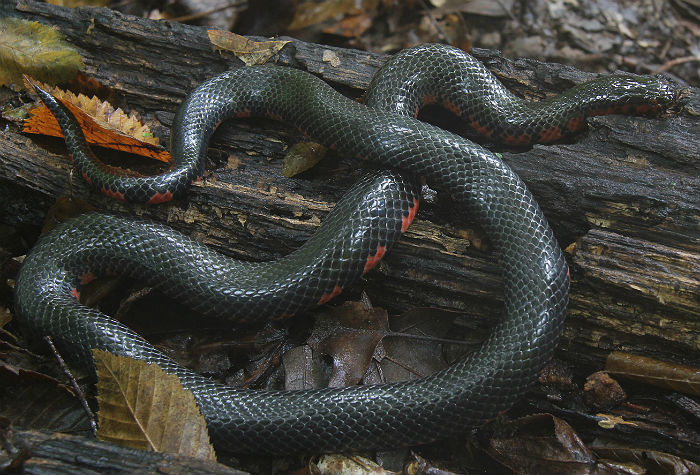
(415, 78)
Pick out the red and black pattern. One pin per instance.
(474, 389)
(418, 76)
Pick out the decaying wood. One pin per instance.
(624, 198)
(40, 453)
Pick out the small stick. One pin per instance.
(74, 384)
(197, 16)
(674, 62)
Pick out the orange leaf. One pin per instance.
(101, 123)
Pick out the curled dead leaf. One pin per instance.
(101, 123)
(249, 51)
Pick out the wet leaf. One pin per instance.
(414, 347)
(249, 51)
(101, 123)
(302, 156)
(644, 460)
(677, 377)
(349, 335)
(301, 369)
(65, 208)
(543, 443)
(144, 408)
(28, 47)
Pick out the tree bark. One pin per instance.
(623, 198)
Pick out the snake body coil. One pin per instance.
(475, 388)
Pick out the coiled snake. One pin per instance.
(358, 232)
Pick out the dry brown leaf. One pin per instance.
(349, 335)
(351, 26)
(101, 123)
(145, 408)
(65, 208)
(677, 377)
(312, 13)
(32, 48)
(542, 443)
(249, 51)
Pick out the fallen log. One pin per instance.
(623, 197)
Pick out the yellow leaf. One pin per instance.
(145, 408)
(249, 51)
(37, 50)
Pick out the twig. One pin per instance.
(73, 383)
(674, 62)
(428, 338)
(197, 16)
(404, 366)
(439, 29)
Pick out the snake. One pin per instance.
(356, 234)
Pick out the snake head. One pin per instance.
(657, 92)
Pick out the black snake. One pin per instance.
(355, 236)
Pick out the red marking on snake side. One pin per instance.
(74, 292)
(429, 99)
(646, 108)
(407, 220)
(87, 178)
(483, 130)
(243, 114)
(274, 116)
(550, 135)
(522, 139)
(86, 278)
(159, 197)
(198, 179)
(284, 316)
(574, 124)
(605, 111)
(326, 297)
(113, 194)
(452, 107)
(373, 260)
